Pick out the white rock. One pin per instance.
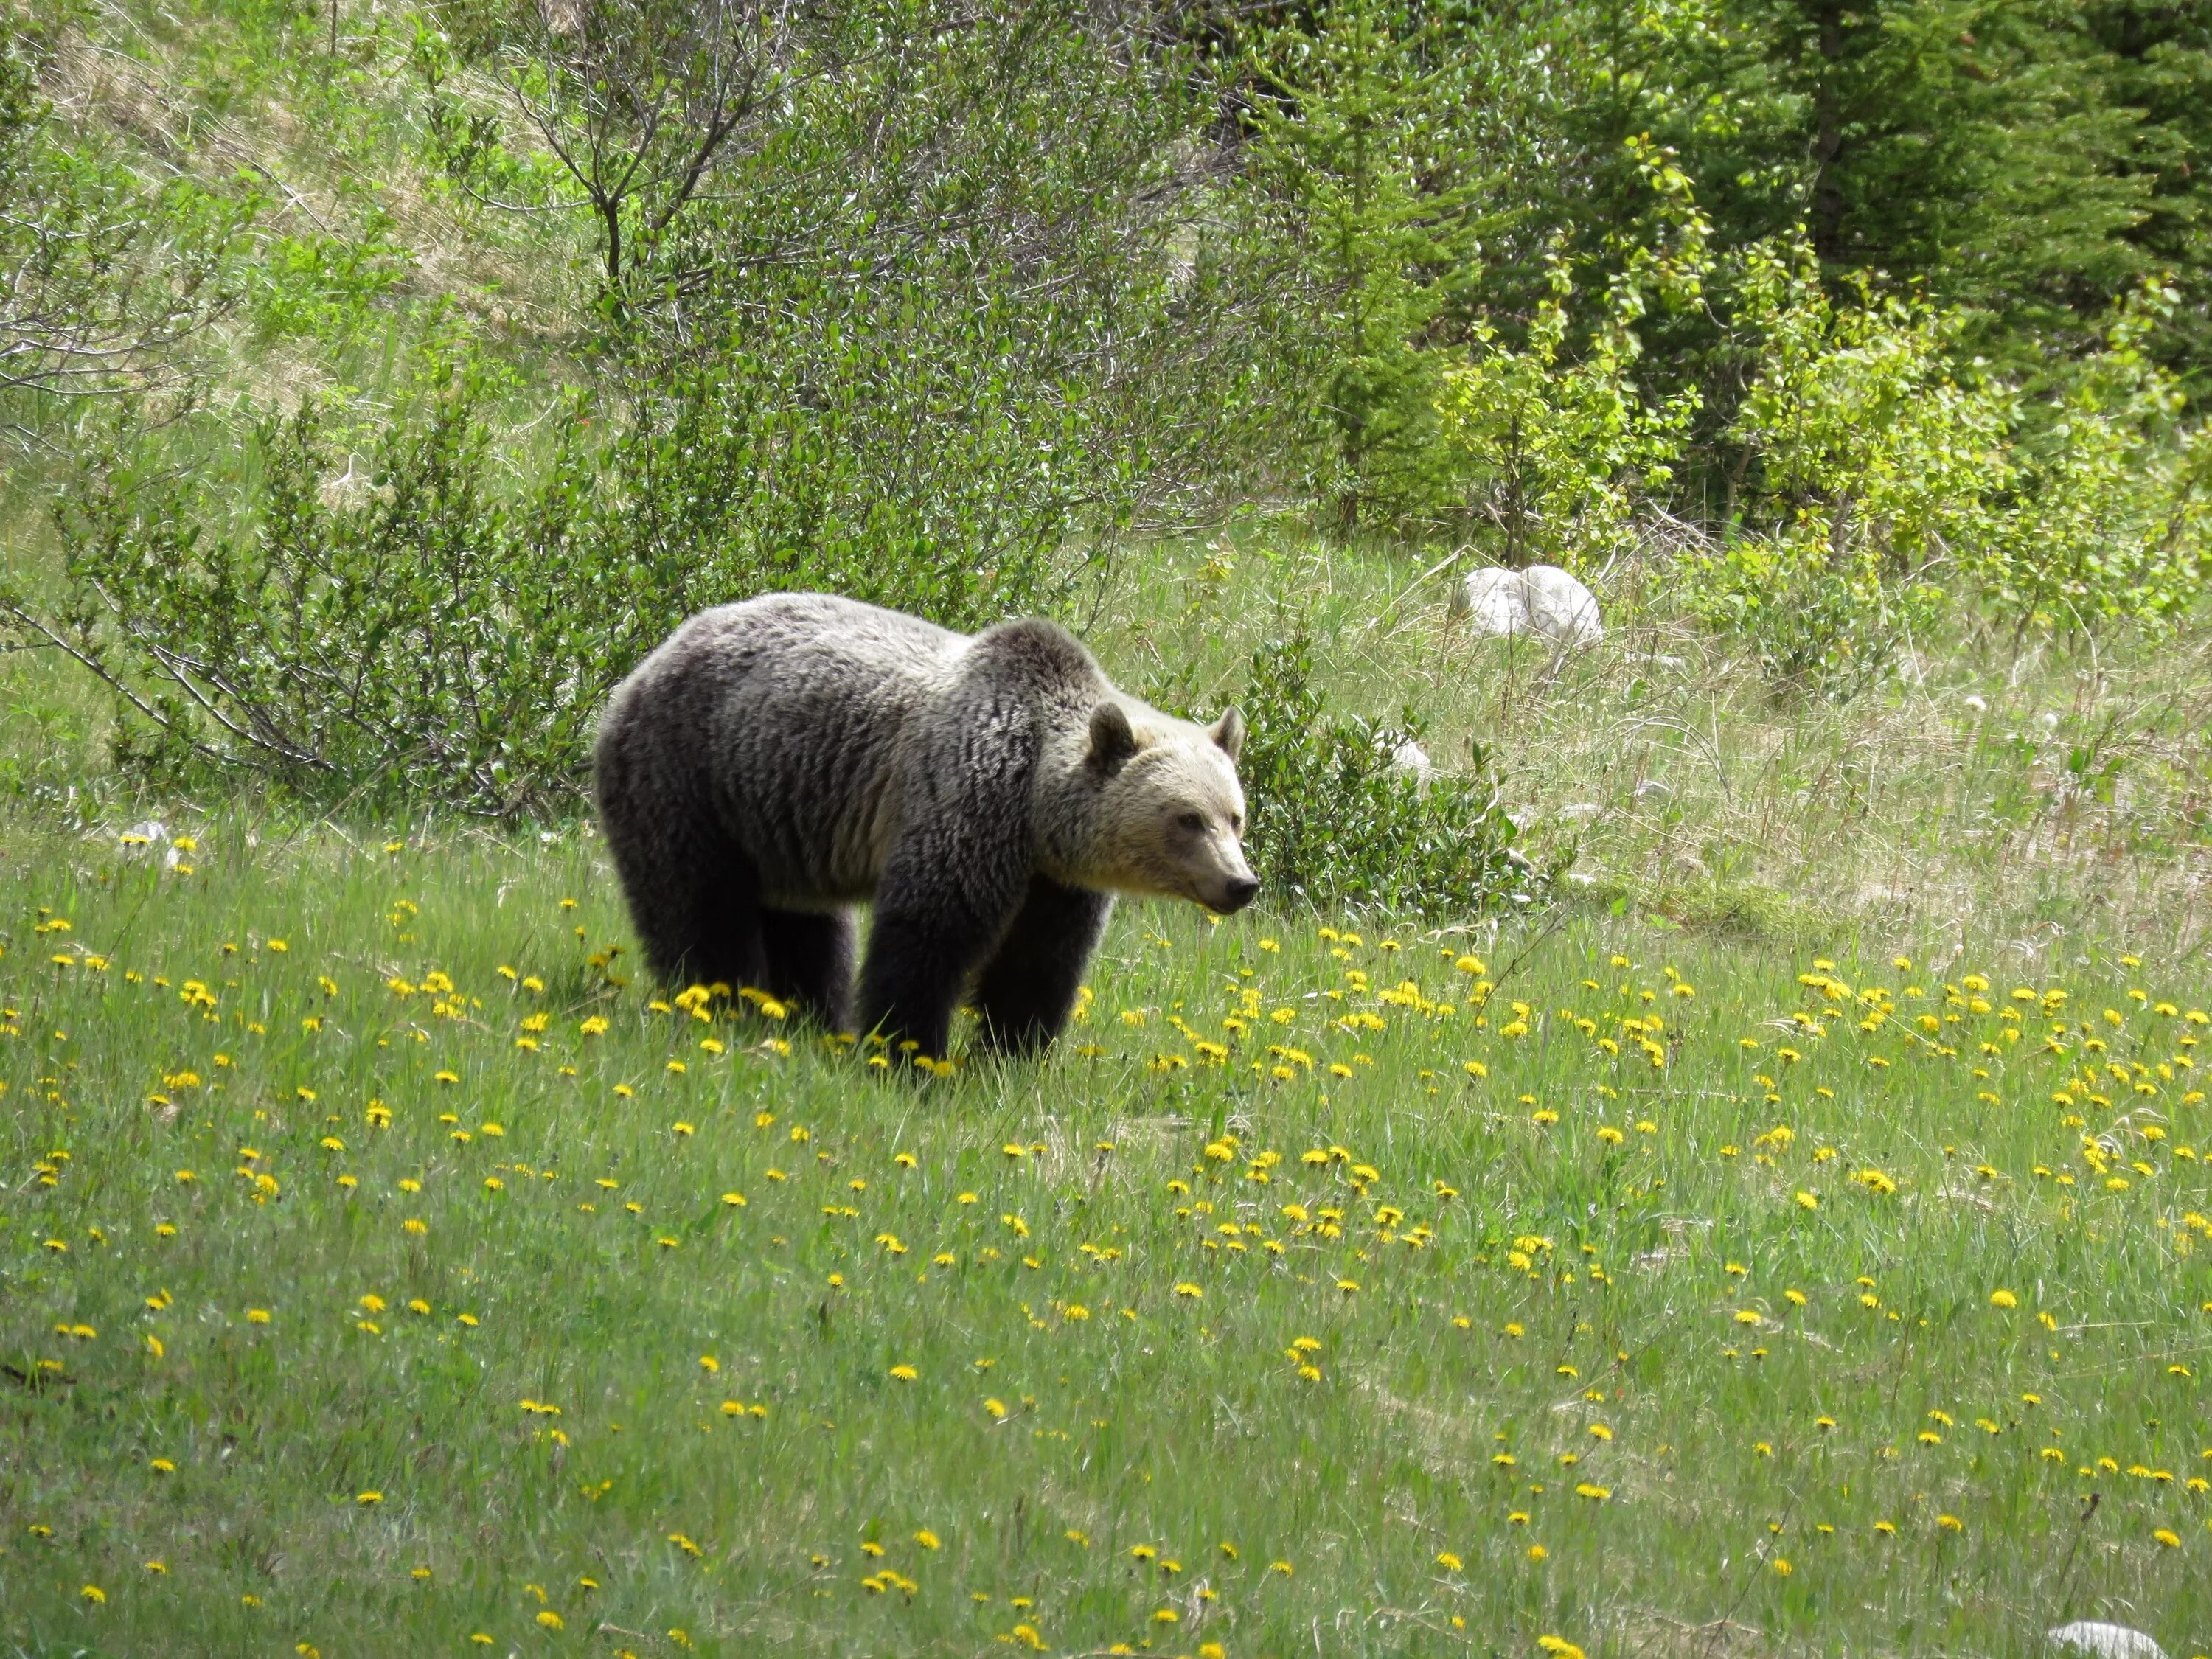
(1411, 759)
(2103, 1641)
(2047, 720)
(1980, 706)
(1543, 600)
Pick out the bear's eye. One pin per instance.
(1191, 821)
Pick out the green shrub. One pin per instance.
(1881, 480)
(1334, 820)
(432, 629)
(419, 637)
(2114, 519)
(1867, 469)
(1551, 455)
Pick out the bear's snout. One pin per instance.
(1238, 892)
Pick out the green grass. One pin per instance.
(608, 1260)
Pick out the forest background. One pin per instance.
(381, 380)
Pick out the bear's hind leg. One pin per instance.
(694, 899)
(808, 961)
(1026, 991)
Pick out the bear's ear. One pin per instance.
(1112, 741)
(1229, 732)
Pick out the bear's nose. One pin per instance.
(1240, 892)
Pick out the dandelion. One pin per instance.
(368, 1499)
(904, 1373)
(1448, 1561)
(2003, 1299)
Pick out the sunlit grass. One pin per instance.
(1350, 1290)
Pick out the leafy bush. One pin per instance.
(1881, 480)
(2115, 515)
(432, 629)
(1866, 472)
(1334, 820)
(1553, 457)
(420, 637)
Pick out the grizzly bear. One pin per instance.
(776, 761)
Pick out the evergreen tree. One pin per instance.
(2161, 65)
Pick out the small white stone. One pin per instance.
(1978, 704)
(1410, 758)
(2103, 1641)
(1543, 599)
(2047, 720)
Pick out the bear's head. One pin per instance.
(1166, 814)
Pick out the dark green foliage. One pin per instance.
(1361, 154)
(2161, 65)
(1335, 820)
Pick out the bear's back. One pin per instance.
(789, 713)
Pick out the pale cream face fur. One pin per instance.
(1171, 821)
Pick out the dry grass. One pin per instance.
(2027, 800)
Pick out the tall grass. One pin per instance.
(1401, 1330)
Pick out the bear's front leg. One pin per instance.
(958, 874)
(1026, 991)
(919, 958)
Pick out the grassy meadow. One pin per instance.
(1785, 1234)
(383, 1275)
